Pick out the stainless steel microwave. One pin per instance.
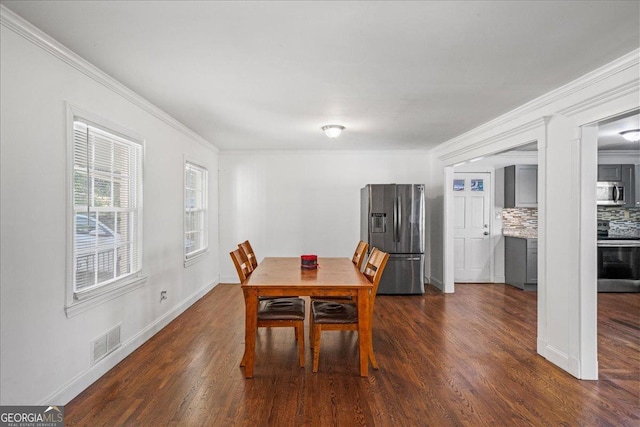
(610, 193)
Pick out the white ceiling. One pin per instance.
(398, 75)
(609, 138)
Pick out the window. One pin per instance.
(107, 195)
(477, 185)
(458, 185)
(195, 211)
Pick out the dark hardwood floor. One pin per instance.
(464, 359)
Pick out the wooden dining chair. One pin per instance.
(336, 316)
(359, 254)
(246, 247)
(283, 312)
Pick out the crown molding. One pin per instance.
(460, 144)
(25, 29)
(334, 153)
(602, 98)
(518, 155)
(618, 154)
(511, 133)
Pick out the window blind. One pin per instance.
(106, 177)
(195, 205)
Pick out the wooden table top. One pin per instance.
(334, 272)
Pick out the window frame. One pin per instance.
(79, 301)
(195, 256)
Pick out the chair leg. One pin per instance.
(316, 346)
(311, 331)
(300, 339)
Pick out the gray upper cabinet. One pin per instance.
(629, 182)
(609, 172)
(521, 186)
(636, 183)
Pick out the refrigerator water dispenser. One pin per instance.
(378, 222)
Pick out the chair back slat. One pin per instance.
(358, 255)
(240, 261)
(251, 256)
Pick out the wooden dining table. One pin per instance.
(284, 277)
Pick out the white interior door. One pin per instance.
(472, 233)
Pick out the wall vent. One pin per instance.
(105, 344)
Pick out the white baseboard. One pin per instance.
(590, 373)
(499, 279)
(83, 380)
(557, 357)
(229, 279)
(437, 283)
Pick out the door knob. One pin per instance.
(486, 233)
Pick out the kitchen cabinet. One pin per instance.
(637, 185)
(521, 186)
(629, 182)
(610, 173)
(521, 262)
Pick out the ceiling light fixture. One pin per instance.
(631, 135)
(333, 131)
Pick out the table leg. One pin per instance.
(250, 326)
(364, 330)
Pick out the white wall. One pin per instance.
(45, 356)
(291, 203)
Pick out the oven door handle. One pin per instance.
(618, 244)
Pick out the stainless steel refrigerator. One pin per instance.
(392, 220)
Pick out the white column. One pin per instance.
(449, 268)
(588, 286)
(566, 309)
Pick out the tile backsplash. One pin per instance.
(525, 219)
(618, 221)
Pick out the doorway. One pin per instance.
(618, 298)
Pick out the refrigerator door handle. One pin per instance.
(395, 221)
(398, 220)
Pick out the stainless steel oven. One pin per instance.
(618, 265)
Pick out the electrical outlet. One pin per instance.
(163, 295)
(626, 214)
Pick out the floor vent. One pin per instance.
(105, 344)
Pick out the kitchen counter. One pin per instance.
(533, 234)
(523, 233)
